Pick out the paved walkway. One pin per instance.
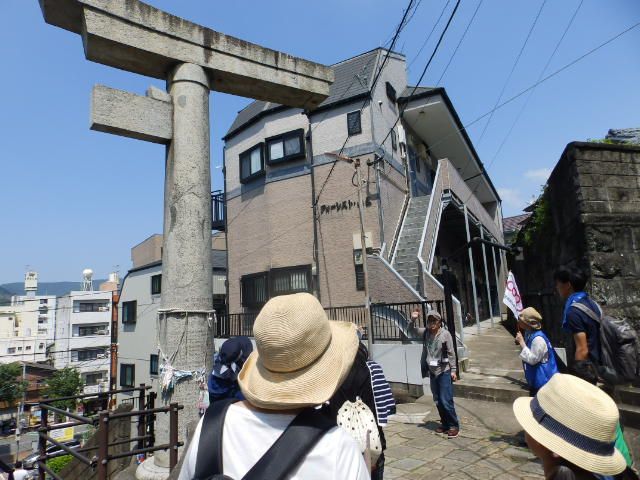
(490, 446)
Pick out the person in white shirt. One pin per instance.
(19, 473)
(301, 359)
(538, 356)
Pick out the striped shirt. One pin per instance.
(383, 397)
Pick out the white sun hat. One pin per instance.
(576, 421)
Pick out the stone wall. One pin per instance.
(119, 429)
(591, 219)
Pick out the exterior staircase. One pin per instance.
(405, 260)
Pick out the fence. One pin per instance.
(390, 321)
(145, 439)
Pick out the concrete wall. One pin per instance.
(137, 341)
(147, 251)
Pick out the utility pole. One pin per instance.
(363, 245)
(21, 408)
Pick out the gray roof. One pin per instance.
(353, 77)
(408, 92)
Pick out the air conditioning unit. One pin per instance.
(102, 332)
(101, 355)
(103, 309)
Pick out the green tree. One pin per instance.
(64, 383)
(11, 386)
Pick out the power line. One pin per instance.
(464, 34)
(544, 69)
(433, 29)
(513, 68)
(401, 25)
(531, 87)
(424, 70)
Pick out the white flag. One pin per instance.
(512, 298)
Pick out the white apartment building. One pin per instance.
(27, 326)
(82, 337)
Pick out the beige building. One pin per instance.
(292, 219)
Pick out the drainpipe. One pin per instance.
(226, 230)
(113, 374)
(316, 257)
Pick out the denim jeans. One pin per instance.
(442, 390)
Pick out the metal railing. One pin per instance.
(390, 321)
(145, 439)
(217, 210)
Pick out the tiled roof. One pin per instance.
(353, 77)
(513, 224)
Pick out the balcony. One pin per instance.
(217, 211)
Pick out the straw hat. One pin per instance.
(302, 357)
(576, 421)
(531, 317)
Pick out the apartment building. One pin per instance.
(138, 356)
(292, 218)
(27, 325)
(83, 337)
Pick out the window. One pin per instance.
(391, 92)
(353, 123)
(11, 350)
(87, 330)
(28, 347)
(19, 349)
(129, 310)
(285, 147)
(254, 290)
(251, 163)
(394, 139)
(43, 301)
(89, 354)
(153, 364)
(417, 164)
(284, 281)
(93, 378)
(81, 307)
(127, 375)
(156, 284)
(359, 277)
(40, 346)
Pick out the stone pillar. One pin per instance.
(185, 324)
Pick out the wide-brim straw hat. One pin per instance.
(576, 421)
(302, 357)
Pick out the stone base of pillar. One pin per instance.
(154, 468)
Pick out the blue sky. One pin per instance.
(72, 198)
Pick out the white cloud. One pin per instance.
(541, 174)
(512, 200)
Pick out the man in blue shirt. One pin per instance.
(570, 284)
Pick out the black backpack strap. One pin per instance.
(209, 460)
(292, 446)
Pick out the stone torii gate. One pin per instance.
(133, 36)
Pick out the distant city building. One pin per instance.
(138, 356)
(83, 337)
(27, 326)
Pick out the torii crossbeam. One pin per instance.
(133, 36)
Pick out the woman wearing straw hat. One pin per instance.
(301, 359)
(570, 425)
(538, 356)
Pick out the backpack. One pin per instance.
(357, 419)
(619, 345)
(281, 459)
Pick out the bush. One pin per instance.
(59, 463)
